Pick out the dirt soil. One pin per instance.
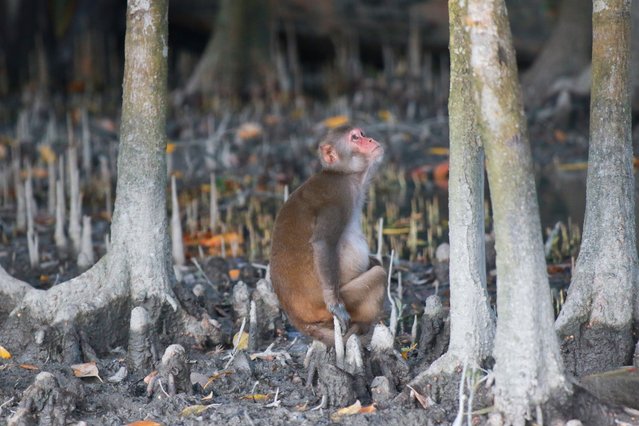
(272, 390)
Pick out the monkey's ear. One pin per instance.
(328, 154)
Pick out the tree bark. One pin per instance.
(236, 60)
(471, 319)
(137, 270)
(565, 54)
(596, 320)
(528, 369)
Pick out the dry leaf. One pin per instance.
(88, 369)
(346, 411)
(336, 121)
(216, 376)
(47, 154)
(234, 274)
(150, 376)
(440, 175)
(439, 150)
(386, 115)
(302, 407)
(424, 401)
(368, 409)
(208, 397)
(4, 354)
(241, 342)
(249, 131)
(29, 367)
(195, 410)
(396, 231)
(573, 167)
(170, 148)
(256, 397)
(407, 350)
(144, 423)
(560, 136)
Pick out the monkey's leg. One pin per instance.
(364, 296)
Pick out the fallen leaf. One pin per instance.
(573, 167)
(407, 350)
(144, 423)
(560, 136)
(336, 121)
(234, 274)
(256, 397)
(216, 376)
(195, 410)
(47, 153)
(29, 367)
(346, 411)
(170, 148)
(439, 150)
(386, 115)
(440, 175)
(272, 119)
(208, 397)
(396, 231)
(368, 409)
(241, 342)
(302, 407)
(150, 376)
(424, 401)
(249, 131)
(87, 369)
(4, 354)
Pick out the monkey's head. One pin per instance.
(348, 150)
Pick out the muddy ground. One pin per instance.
(271, 390)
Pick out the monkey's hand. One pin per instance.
(340, 312)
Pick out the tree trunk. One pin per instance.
(236, 60)
(565, 54)
(596, 320)
(471, 320)
(137, 270)
(528, 369)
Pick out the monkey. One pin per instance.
(320, 265)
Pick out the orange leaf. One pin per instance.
(560, 136)
(234, 274)
(346, 411)
(440, 175)
(144, 423)
(29, 367)
(368, 409)
(170, 148)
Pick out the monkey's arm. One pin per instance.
(329, 226)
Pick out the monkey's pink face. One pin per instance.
(369, 147)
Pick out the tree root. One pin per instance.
(44, 403)
(173, 374)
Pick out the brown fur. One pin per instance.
(319, 258)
